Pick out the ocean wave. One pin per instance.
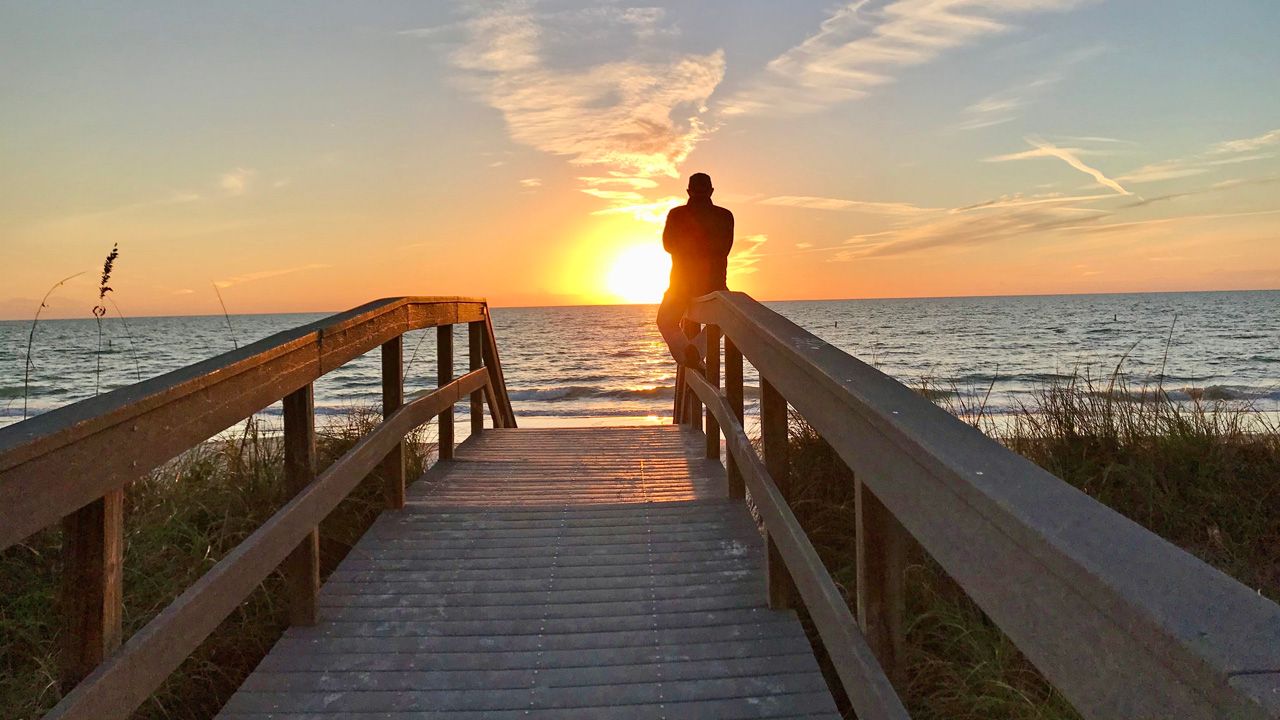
(588, 392)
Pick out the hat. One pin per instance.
(700, 182)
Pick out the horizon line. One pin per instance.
(789, 300)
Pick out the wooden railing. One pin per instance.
(74, 465)
(1123, 623)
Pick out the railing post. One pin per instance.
(392, 398)
(713, 377)
(475, 361)
(444, 376)
(677, 410)
(733, 391)
(773, 436)
(302, 567)
(92, 580)
(693, 408)
(881, 583)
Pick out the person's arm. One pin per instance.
(724, 243)
(669, 233)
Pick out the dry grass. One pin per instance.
(1201, 474)
(179, 521)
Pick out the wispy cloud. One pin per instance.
(1244, 145)
(236, 181)
(641, 117)
(826, 203)
(1227, 152)
(1071, 156)
(966, 230)
(530, 183)
(1007, 105)
(638, 207)
(746, 253)
(859, 48)
(264, 274)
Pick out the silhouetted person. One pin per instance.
(699, 236)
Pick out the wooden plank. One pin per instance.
(865, 683)
(733, 390)
(559, 675)
(392, 466)
(57, 462)
(881, 551)
(651, 609)
(475, 361)
(773, 688)
(1122, 622)
(666, 654)
(766, 631)
(125, 680)
(302, 566)
(90, 596)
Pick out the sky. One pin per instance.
(309, 156)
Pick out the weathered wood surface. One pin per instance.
(588, 573)
(791, 555)
(124, 680)
(1124, 623)
(92, 588)
(302, 568)
(59, 461)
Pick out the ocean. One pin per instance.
(608, 365)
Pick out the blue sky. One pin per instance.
(312, 155)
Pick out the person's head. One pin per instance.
(700, 185)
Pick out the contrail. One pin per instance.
(1066, 156)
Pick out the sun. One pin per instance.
(639, 274)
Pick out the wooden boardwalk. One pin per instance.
(567, 573)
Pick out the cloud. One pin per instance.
(1018, 200)
(237, 181)
(966, 229)
(1070, 156)
(1006, 105)
(1227, 152)
(532, 182)
(263, 274)
(826, 203)
(636, 183)
(1247, 144)
(746, 254)
(641, 117)
(857, 49)
(638, 207)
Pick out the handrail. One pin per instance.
(73, 464)
(129, 676)
(1122, 622)
(864, 681)
(58, 461)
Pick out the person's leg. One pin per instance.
(670, 314)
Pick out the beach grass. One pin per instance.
(179, 521)
(1201, 474)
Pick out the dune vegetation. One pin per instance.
(1202, 474)
(179, 521)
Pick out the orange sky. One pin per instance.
(527, 152)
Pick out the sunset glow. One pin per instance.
(639, 274)
(515, 151)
